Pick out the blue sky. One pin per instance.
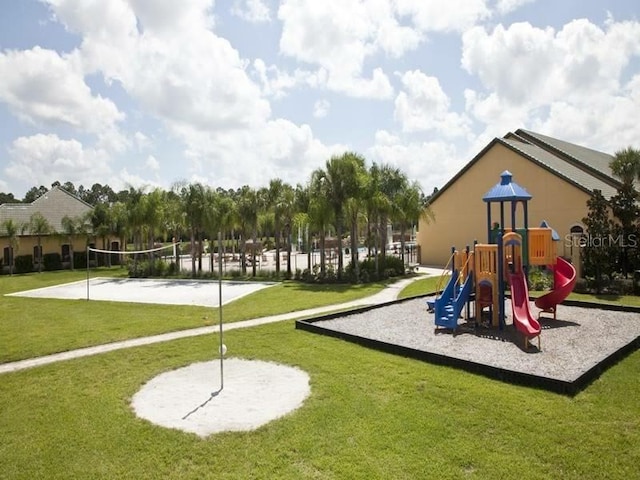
(149, 93)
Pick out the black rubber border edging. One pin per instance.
(504, 375)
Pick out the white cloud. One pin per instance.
(339, 36)
(254, 11)
(126, 179)
(141, 141)
(395, 39)
(432, 164)
(424, 106)
(41, 159)
(231, 161)
(175, 67)
(568, 83)
(321, 108)
(43, 88)
(507, 6)
(197, 84)
(277, 83)
(438, 16)
(152, 163)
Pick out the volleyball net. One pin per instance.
(171, 251)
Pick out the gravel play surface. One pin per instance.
(578, 340)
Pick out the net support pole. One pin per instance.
(87, 273)
(220, 310)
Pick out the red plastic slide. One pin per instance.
(522, 319)
(564, 279)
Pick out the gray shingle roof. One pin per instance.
(568, 171)
(588, 157)
(53, 205)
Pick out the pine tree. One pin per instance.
(596, 251)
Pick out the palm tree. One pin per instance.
(302, 218)
(192, 197)
(287, 212)
(626, 165)
(228, 218)
(375, 203)
(72, 227)
(101, 223)
(213, 219)
(409, 210)
(39, 226)
(135, 217)
(120, 225)
(320, 212)
(340, 182)
(173, 220)
(248, 207)
(273, 202)
(11, 229)
(392, 182)
(152, 218)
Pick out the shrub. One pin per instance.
(391, 266)
(79, 259)
(173, 269)
(581, 286)
(52, 261)
(146, 268)
(24, 264)
(621, 286)
(540, 279)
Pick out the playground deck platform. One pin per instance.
(575, 349)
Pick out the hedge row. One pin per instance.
(53, 261)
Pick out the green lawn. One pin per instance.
(423, 286)
(37, 326)
(370, 414)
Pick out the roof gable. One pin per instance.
(54, 205)
(581, 167)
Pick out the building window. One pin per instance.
(576, 233)
(577, 230)
(7, 256)
(66, 253)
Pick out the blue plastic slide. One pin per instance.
(453, 299)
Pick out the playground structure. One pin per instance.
(480, 275)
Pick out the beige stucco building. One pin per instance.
(53, 206)
(559, 175)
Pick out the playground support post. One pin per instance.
(501, 286)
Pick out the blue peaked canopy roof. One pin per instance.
(554, 235)
(506, 190)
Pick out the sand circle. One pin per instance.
(255, 393)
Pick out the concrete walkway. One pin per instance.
(390, 293)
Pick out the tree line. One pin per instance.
(345, 201)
